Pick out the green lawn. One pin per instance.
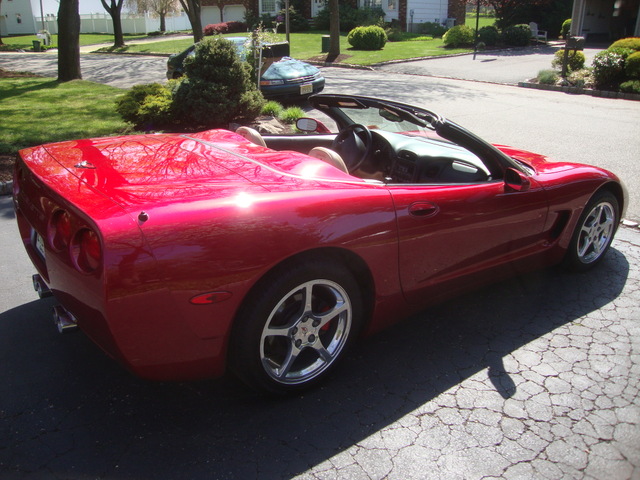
(25, 42)
(38, 110)
(307, 45)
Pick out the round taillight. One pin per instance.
(86, 251)
(59, 230)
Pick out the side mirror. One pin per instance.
(516, 181)
(307, 124)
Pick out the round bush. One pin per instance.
(632, 42)
(566, 27)
(608, 70)
(217, 88)
(517, 35)
(367, 38)
(458, 36)
(574, 62)
(489, 35)
(632, 66)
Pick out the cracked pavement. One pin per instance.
(534, 377)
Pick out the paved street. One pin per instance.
(536, 377)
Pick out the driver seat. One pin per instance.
(329, 156)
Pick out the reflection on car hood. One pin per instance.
(289, 68)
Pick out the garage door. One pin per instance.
(234, 13)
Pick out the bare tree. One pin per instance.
(114, 8)
(334, 29)
(193, 8)
(69, 41)
(160, 7)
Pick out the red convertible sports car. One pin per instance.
(182, 255)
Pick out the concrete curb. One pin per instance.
(581, 91)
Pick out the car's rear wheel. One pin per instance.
(594, 232)
(291, 332)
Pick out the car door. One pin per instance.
(454, 236)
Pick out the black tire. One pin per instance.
(295, 326)
(594, 232)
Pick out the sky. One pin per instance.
(51, 6)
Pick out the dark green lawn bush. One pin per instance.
(547, 77)
(517, 35)
(367, 38)
(458, 36)
(297, 21)
(489, 35)
(434, 29)
(217, 87)
(575, 60)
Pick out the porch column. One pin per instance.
(577, 17)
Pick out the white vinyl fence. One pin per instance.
(132, 24)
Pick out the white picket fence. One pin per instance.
(131, 24)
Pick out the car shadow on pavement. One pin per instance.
(68, 411)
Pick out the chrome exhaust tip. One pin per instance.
(40, 286)
(65, 321)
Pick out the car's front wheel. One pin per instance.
(295, 327)
(594, 232)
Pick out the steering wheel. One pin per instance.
(354, 144)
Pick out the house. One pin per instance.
(605, 20)
(408, 13)
(18, 17)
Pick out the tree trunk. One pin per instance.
(114, 11)
(163, 26)
(334, 29)
(192, 9)
(68, 41)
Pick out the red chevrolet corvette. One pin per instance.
(182, 255)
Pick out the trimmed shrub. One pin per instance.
(632, 65)
(458, 36)
(218, 87)
(566, 27)
(631, 86)
(517, 35)
(547, 77)
(489, 35)
(574, 62)
(367, 38)
(632, 42)
(434, 29)
(224, 27)
(147, 106)
(608, 70)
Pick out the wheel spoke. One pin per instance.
(283, 370)
(326, 317)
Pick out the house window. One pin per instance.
(391, 5)
(372, 3)
(268, 6)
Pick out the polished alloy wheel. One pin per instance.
(596, 232)
(305, 332)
